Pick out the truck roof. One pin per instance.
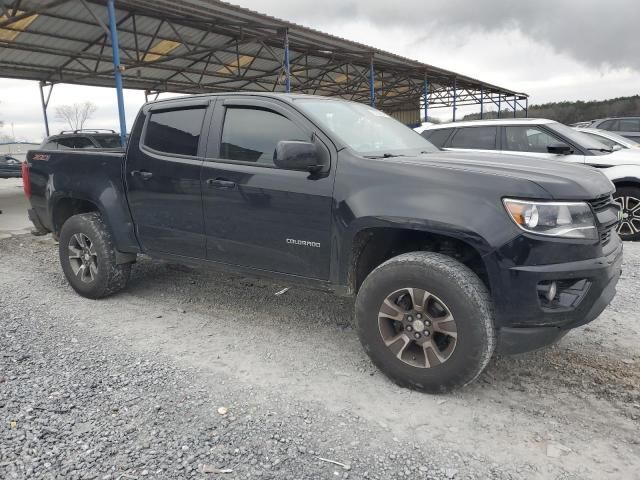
(278, 95)
(494, 121)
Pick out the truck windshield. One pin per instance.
(364, 129)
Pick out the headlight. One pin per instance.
(557, 219)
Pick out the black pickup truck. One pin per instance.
(450, 255)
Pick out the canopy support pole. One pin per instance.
(372, 84)
(287, 71)
(526, 107)
(499, 105)
(426, 100)
(515, 104)
(455, 97)
(117, 70)
(481, 103)
(45, 104)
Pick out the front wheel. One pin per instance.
(629, 200)
(426, 321)
(88, 257)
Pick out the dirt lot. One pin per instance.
(190, 374)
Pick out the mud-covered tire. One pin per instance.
(107, 277)
(629, 200)
(454, 286)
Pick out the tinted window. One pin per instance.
(66, 143)
(629, 125)
(481, 138)
(83, 142)
(52, 145)
(175, 131)
(607, 125)
(437, 137)
(529, 139)
(108, 141)
(251, 134)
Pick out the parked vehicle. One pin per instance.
(551, 140)
(10, 167)
(449, 255)
(82, 139)
(628, 127)
(610, 139)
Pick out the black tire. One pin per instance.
(105, 277)
(629, 199)
(453, 286)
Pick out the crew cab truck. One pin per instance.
(450, 255)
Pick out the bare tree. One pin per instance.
(76, 115)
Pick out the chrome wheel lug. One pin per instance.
(417, 335)
(410, 318)
(409, 328)
(426, 333)
(418, 316)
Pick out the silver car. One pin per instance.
(628, 127)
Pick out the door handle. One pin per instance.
(141, 173)
(221, 183)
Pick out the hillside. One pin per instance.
(571, 112)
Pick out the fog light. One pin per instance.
(553, 289)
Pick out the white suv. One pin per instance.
(549, 139)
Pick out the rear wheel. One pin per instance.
(88, 257)
(426, 321)
(629, 200)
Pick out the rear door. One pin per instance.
(533, 140)
(163, 178)
(257, 215)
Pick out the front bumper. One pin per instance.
(525, 322)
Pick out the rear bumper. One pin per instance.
(525, 323)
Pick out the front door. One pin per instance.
(255, 214)
(163, 179)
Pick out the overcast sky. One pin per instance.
(552, 49)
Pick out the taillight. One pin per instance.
(26, 184)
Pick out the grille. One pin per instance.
(600, 205)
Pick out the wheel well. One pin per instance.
(374, 246)
(68, 207)
(626, 183)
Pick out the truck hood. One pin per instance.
(562, 180)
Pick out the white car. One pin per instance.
(549, 139)
(610, 139)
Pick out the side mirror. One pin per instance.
(559, 149)
(294, 155)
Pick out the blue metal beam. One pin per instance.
(481, 103)
(287, 71)
(426, 99)
(515, 105)
(454, 98)
(499, 105)
(372, 84)
(117, 72)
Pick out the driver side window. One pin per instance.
(528, 139)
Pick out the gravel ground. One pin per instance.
(194, 374)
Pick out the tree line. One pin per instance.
(572, 112)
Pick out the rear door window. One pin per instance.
(438, 136)
(477, 138)
(83, 142)
(629, 125)
(175, 131)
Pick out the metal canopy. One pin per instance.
(197, 46)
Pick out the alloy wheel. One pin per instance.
(83, 257)
(630, 224)
(417, 327)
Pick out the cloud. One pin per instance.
(599, 34)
